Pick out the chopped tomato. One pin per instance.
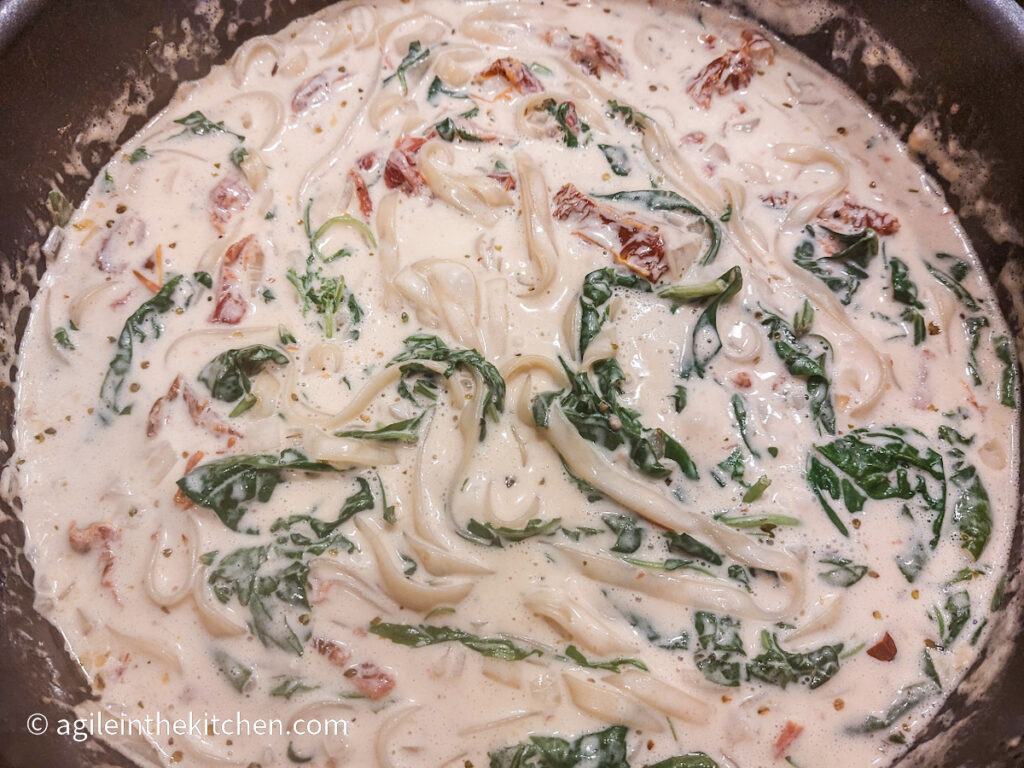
(231, 195)
(515, 72)
(786, 738)
(630, 241)
(732, 70)
(232, 304)
(596, 56)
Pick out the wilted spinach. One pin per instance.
(801, 362)
(617, 157)
(600, 749)
(596, 291)
(416, 54)
(852, 260)
(405, 431)
(779, 667)
(423, 635)
(490, 535)
(228, 375)
(665, 200)
(844, 573)
(225, 485)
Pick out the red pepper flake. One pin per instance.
(884, 649)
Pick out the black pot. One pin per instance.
(62, 64)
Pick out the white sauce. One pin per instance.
(486, 267)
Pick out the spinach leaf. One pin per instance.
(490, 535)
(198, 124)
(903, 288)
(972, 329)
(325, 295)
(61, 338)
(952, 281)
(879, 465)
(906, 699)
(634, 118)
(686, 544)
(574, 131)
(853, 258)
(600, 749)
(718, 639)
(267, 594)
(779, 667)
(911, 560)
(574, 654)
(618, 159)
(416, 54)
(235, 671)
(679, 398)
(846, 573)
(628, 532)
(140, 154)
(423, 346)
(689, 760)
(425, 634)
(755, 491)
(743, 522)
(176, 292)
(1006, 389)
(668, 201)
(595, 293)
(437, 87)
(803, 319)
(360, 501)
(229, 374)
(224, 485)
(972, 511)
(916, 320)
(796, 355)
(674, 451)
(405, 431)
(705, 341)
(291, 686)
(600, 418)
(954, 618)
(739, 410)
(671, 564)
(449, 130)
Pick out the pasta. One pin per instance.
(516, 380)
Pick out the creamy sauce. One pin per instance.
(447, 587)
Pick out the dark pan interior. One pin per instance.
(64, 63)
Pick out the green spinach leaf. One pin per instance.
(424, 634)
(779, 667)
(228, 375)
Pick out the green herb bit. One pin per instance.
(60, 207)
(803, 319)
(1006, 389)
(438, 88)
(757, 489)
(679, 397)
(627, 531)
(617, 157)
(140, 154)
(198, 124)
(405, 431)
(238, 155)
(286, 337)
(229, 374)
(60, 336)
(744, 522)
(846, 573)
(291, 686)
(416, 55)
(424, 635)
(634, 118)
(688, 545)
(448, 129)
(574, 654)
(237, 673)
